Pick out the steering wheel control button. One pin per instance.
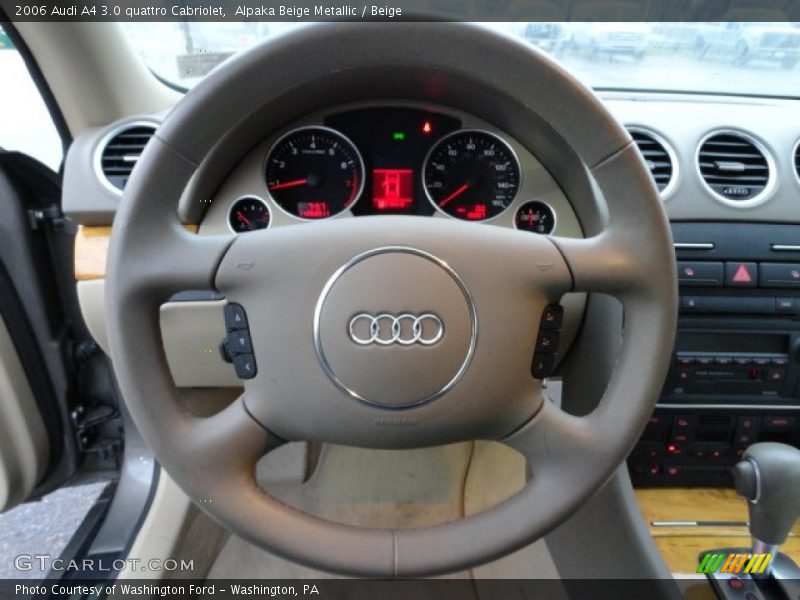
(552, 317)
(395, 327)
(238, 342)
(547, 341)
(544, 356)
(235, 317)
(741, 274)
(245, 366)
(542, 365)
(237, 347)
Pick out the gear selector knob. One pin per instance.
(768, 476)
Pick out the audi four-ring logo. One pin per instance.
(404, 329)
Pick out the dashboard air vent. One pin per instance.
(797, 159)
(121, 150)
(734, 166)
(656, 156)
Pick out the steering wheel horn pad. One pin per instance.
(303, 285)
(395, 327)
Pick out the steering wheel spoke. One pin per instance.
(599, 264)
(551, 438)
(229, 443)
(189, 262)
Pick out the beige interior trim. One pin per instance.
(160, 533)
(191, 332)
(24, 448)
(91, 297)
(681, 545)
(91, 251)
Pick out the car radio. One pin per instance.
(735, 373)
(732, 368)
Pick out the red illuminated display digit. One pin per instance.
(313, 210)
(476, 212)
(392, 189)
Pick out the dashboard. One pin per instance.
(727, 168)
(390, 160)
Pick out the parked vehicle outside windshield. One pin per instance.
(728, 58)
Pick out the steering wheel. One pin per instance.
(301, 287)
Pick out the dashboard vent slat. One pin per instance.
(656, 156)
(734, 166)
(121, 152)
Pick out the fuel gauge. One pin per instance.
(536, 217)
(248, 214)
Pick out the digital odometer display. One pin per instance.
(314, 173)
(471, 175)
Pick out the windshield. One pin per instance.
(726, 58)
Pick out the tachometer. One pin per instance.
(472, 175)
(314, 172)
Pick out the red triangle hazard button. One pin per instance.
(741, 274)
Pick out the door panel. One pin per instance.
(43, 345)
(24, 448)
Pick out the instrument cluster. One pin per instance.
(390, 161)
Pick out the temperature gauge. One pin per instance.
(248, 214)
(536, 217)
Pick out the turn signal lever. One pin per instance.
(769, 478)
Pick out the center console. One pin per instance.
(735, 373)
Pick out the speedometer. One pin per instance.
(471, 174)
(314, 172)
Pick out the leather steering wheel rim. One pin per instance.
(152, 256)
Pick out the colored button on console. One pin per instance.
(741, 274)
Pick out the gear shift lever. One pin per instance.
(769, 478)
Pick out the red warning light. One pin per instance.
(427, 127)
(742, 275)
(313, 210)
(392, 189)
